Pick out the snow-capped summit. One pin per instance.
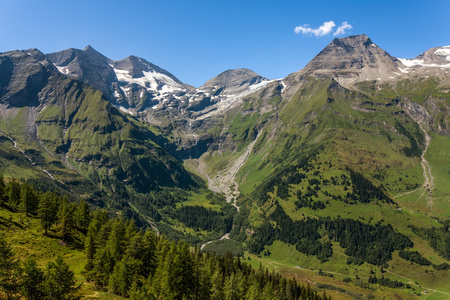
(135, 85)
(435, 57)
(137, 70)
(131, 83)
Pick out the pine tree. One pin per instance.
(45, 211)
(89, 244)
(233, 288)
(32, 285)
(2, 190)
(65, 219)
(182, 272)
(117, 240)
(148, 255)
(13, 192)
(8, 270)
(122, 277)
(28, 199)
(59, 283)
(137, 293)
(160, 285)
(103, 266)
(83, 215)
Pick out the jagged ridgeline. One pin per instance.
(341, 166)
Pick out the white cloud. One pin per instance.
(323, 29)
(342, 28)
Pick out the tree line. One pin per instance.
(53, 210)
(141, 265)
(127, 260)
(29, 281)
(362, 242)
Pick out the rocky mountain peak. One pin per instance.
(353, 52)
(135, 66)
(234, 81)
(434, 57)
(87, 65)
(351, 59)
(88, 48)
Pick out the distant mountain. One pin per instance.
(344, 161)
(135, 85)
(70, 126)
(438, 57)
(233, 82)
(87, 65)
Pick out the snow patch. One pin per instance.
(63, 70)
(283, 84)
(444, 51)
(125, 110)
(419, 62)
(152, 81)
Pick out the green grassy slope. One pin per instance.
(338, 131)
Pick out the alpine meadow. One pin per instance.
(120, 181)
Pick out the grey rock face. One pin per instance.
(233, 82)
(352, 59)
(124, 82)
(435, 56)
(351, 53)
(136, 65)
(136, 85)
(87, 65)
(22, 75)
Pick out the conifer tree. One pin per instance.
(181, 274)
(45, 211)
(103, 266)
(59, 283)
(28, 199)
(117, 239)
(8, 270)
(32, 285)
(2, 189)
(138, 293)
(13, 192)
(83, 215)
(160, 286)
(149, 258)
(123, 275)
(89, 244)
(234, 287)
(65, 219)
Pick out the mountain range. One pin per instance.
(356, 135)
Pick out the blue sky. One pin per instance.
(196, 40)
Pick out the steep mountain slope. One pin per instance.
(325, 142)
(353, 58)
(342, 165)
(434, 57)
(136, 85)
(79, 128)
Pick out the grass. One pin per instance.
(367, 142)
(26, 238)
(221, 247)
(286, 260)
(438, 156)
(202, 198)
